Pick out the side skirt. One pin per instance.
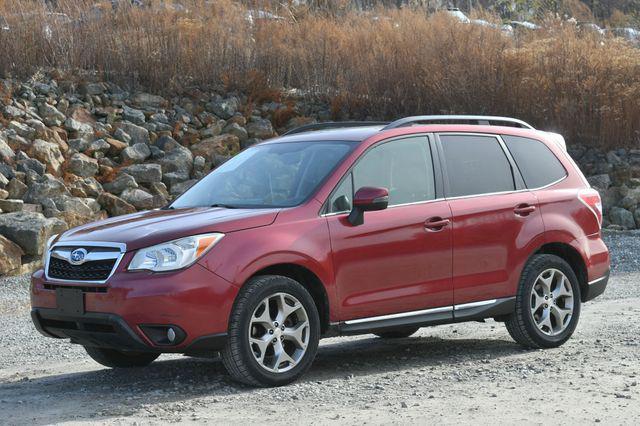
(474, 311)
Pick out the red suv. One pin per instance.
(337, 229)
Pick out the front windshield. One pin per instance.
(269, 175)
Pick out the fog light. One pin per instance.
(164, 334)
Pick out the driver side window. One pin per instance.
(403, 166)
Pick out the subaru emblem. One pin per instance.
(78, 256)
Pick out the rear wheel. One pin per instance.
(547, 303)
(120, 359)
(397, 333)
(274, 332)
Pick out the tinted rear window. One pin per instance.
(476, 165)
(538, 165)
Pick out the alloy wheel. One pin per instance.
(279, 332)
(552, 302)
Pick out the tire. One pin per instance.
(397, 333)
(256, 362)
(120, 359)
(531, 329)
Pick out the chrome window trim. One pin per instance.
(415, 203)
(504, 147)
(121, 247)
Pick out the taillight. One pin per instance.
(591, 199)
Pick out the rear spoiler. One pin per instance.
(558, 139)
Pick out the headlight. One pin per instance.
(174, 254)
(48, 247)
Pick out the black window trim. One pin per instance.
(518, 181)
(566, 172)
(438, 174)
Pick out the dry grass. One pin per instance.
(379, 65)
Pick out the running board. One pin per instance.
(443, 315)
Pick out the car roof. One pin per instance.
(351, 134)
(359, 134)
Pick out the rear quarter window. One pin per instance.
(538, 165)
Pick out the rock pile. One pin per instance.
(74, 152)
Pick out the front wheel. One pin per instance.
(547, 303)
(274, 331)
(120, 359)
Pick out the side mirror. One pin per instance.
(367, 199)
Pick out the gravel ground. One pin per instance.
(470, 372)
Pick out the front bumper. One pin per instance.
(111, 331)
(120, 313)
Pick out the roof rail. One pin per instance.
(333, 125)
(478, 119)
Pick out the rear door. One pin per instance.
(495, 219)
(393, 262)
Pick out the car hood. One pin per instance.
(148, 228)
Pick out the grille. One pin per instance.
(98, 270)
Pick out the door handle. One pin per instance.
(524, 209)
(435, 224)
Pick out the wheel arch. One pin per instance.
(309, 280)
(573, 257)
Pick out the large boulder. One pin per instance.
(224, 145)
(133, 115)
(144, 173)
(136, 133)
(47, 187)
(260, 128)
(10, 256)
(16, 189)
(79, 128)
(115, 206)
(223, 108)
(622, 217)
(116, 146)
(49, 154)
(74, 211)
(82, 165)
(236, 130)
(6, 152)
(22, 129)
(120, 183)
(50, 115)
(135, 154)
(30, 230)
(177, 159)
(8, 206)
(138, 198)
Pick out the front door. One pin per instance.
(397, 261)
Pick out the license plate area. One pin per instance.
(70, 301)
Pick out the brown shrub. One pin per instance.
(383, 64)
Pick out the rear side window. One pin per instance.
(475, 165)
(538, 165)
